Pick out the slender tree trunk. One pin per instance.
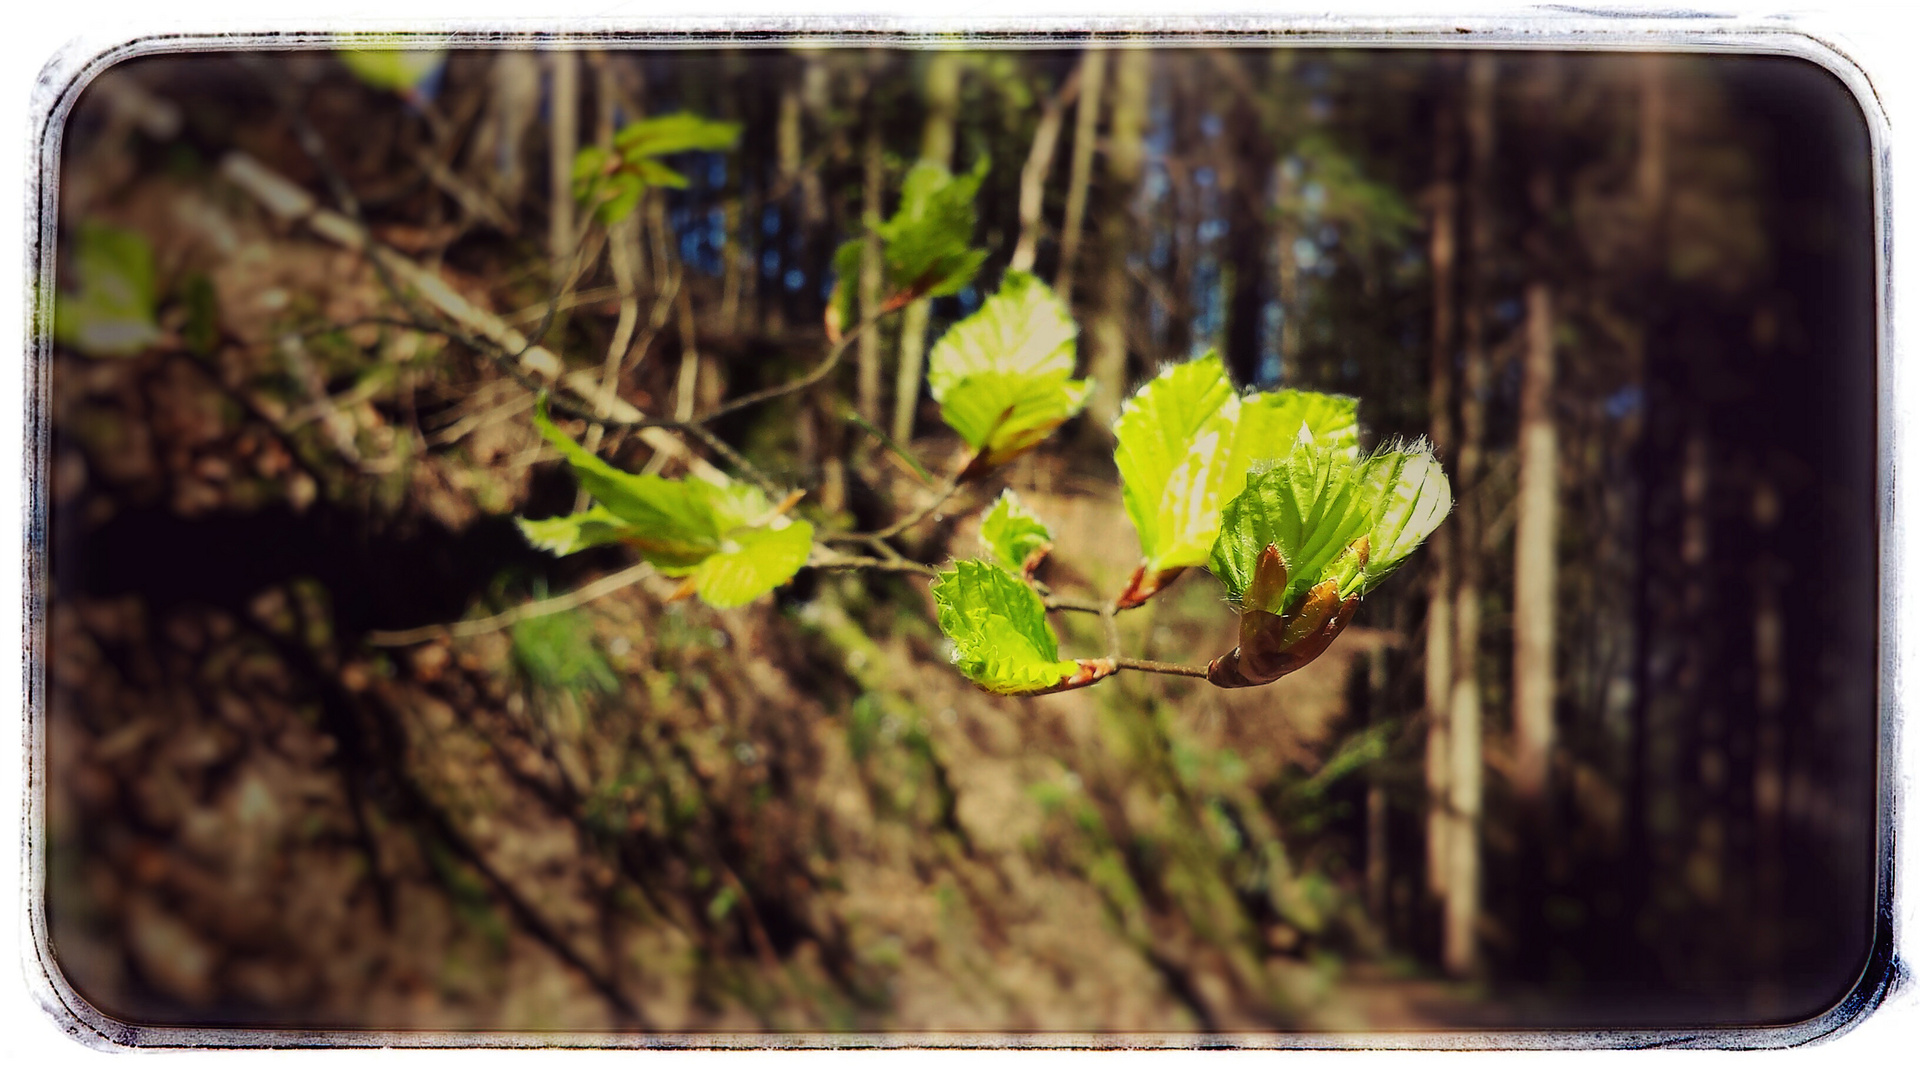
(1250, 168)
(1033, 175)
(1533, 555)
(936, 145)
(1086, 119)
(562, 143)
(1442, 254)
(1107, 330)
(1461, 940)
(873, 178)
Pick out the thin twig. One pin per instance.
(1055, 603)
(940, 498)
(1158, 668)
(588, 593)
(838, 561)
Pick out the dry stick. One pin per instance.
(533, 364)
(689, 381)
(605, 586)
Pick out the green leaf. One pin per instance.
(617, 180)
(718, 534)
(1012, 534)
(999, 630)
(396, 70)
(1186, 445)
(675, 133)
(1022, 328)
(1174, 435)
(752, 563)
(926, 242)
(593, 527)
(1270, 423)
(1411, 497)
(1003, 415)
(111, 310)
(1312, 506)
(1003, 375)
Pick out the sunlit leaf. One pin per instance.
(1411, 496)
(1269, 423)
(111, 310)
(1312, 506)
(999, 630)
(593, 527)
(1002, 375)
(1016, 539)
(1174, 437)
(752, 563)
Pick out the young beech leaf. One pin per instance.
(1311, 507)
(1173, 436)
(1003, 375)
(719, 535)
(111, 311)
(1016, 539)
(999, 630)
(752, 563)
(673, 521)
(1270, 423)
(593, 527)
(1411, 497)
(926, 241)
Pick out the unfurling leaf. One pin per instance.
(1413, 496)
(1186, 443)
(999, 630)
(727, 540)
(1016, 539)
(111, 310)
(1004, 375)
(1307, 538)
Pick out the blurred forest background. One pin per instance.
(1603, 754)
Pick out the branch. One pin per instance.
(837, 561)
(553, 605)
(939, 499)
(1158, 668)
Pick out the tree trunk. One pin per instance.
(942, 91)
(1086, 119)
(1533, 556)
(1461, 942)
(1033, 175)
(1442, 253)
(563, 142)
(873, 177)
(1107, 330)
